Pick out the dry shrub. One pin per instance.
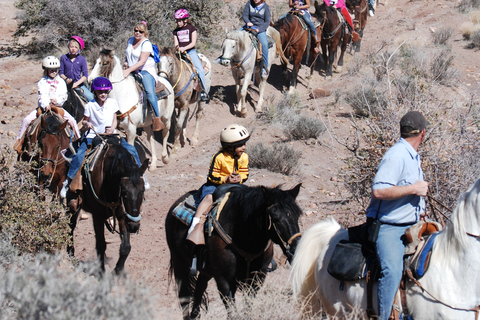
(277, 157)
(35, 223)
(441, 36)
(467, 29)
(476, 39)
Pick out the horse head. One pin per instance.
(166, 66)
(283, 213)
(233, 47)
(51, 140)
(107, 63)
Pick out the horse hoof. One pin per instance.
(243, 114)
(84, 216)
(339, 69)
(328, 77)
(165, 160)
(152, 167)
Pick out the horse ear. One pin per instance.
(295, 191)
(62, 126)
(144, 166)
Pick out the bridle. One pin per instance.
(286, 244)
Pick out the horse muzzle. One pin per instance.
(222, 61)
(133, 227)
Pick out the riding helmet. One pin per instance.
(101, 84)
(79, 40)
(181, 14)
(50, 62)
(233, 135)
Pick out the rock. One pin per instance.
(5, 121)
(11, 134)
(319, 93)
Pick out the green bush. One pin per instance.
(278, 157)
(35, 223)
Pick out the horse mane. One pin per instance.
(53, 123)
(465, 218)
(167, 51)
(123, 164)
(108, 62)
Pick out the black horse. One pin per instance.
(240, 247)
(114, 187)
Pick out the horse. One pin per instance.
(450, 288)
(359, 8)
(333, 34)
(240, 52)
(239, 249)
(114, 187)
(296, 43)
(75, 103)
(181, 75)
(131, 104)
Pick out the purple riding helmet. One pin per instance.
(101, 84)
(181, 14)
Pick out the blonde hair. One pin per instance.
(142, 26)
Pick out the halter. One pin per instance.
(285, 244)
(238, 64)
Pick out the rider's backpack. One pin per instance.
(155, 54)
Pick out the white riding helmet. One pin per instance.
(51, 62)
(233, 135)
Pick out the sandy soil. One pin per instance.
(322, 193)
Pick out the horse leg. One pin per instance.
(242, 104)
(100, 244)
(125, 246)
(227, 292)
(153, 151)
(331, 59)
(73, 225)
(200, 287)
(345, 40)
(198, 118)
(296, 67)
(165, 135)
(180, 122)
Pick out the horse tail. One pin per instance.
(278, 44)
(302, 274)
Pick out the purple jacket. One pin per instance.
(73, 70)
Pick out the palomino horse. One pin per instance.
(131, 105)
(333, 35)
(359, 8)
(113, 187)
(181, 77)
(450, 289)
(240, 248)
(296, 43)
(239, 51)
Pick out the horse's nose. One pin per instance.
(225, 62)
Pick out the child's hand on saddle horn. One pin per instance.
(234, 178)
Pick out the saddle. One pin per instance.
(186, 58)
(256, 43)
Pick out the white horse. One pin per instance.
(131, 105)
(181, 76)
(450, 289)
(239, 52)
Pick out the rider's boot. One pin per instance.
(195, 232)
(316, 43)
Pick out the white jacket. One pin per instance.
(51, 89)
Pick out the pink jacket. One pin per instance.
(340, 4)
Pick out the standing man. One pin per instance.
(398, 202)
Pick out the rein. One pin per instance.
(331, 34)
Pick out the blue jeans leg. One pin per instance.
(87, 93)
(390, 249)
(308, 21)
(262, 37)
(371, 2)
(132, 150)
(149, 84)
(78, 158)
(198, 66)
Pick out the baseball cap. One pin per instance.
(413, 122)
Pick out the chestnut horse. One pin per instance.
(114, 187)
(239, 249)
(296, 43)
(360, 10)
(333, 35)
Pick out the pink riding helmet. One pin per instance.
(79, 40)
(181, 14)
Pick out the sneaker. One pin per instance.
(371, 13)
(264, 73)
(195, 221)
(145, 182)
(65, 187)
(204, 96)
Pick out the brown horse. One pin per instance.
(112, 187)
(333, 35)
(182, 78)
(360, 9)
(296, 43)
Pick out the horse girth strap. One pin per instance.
(228, 240)
(122, 116)
(410, 276)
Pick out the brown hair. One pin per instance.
(142, 26)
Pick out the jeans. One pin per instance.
(390, 250)
(198, 67)
(149, 83)
(308, 20)
(78, 157)
(371, 3)
(262, 37)
(87, 93)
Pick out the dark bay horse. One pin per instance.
(333, 35)
(360, 9)
(240, 247)
(296, 43)
(113, 187)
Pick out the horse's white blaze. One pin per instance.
(453, 276)
(126, 94)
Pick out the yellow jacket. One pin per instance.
(223, 164)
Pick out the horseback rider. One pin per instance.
(302, 6)
(139, 59)
(256, 15)
(185, 39)
(340, 4)
(229, 165)
(73, 66)
(371, 10)
(99, 117)
(52, 92)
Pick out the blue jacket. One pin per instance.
(260, 17)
